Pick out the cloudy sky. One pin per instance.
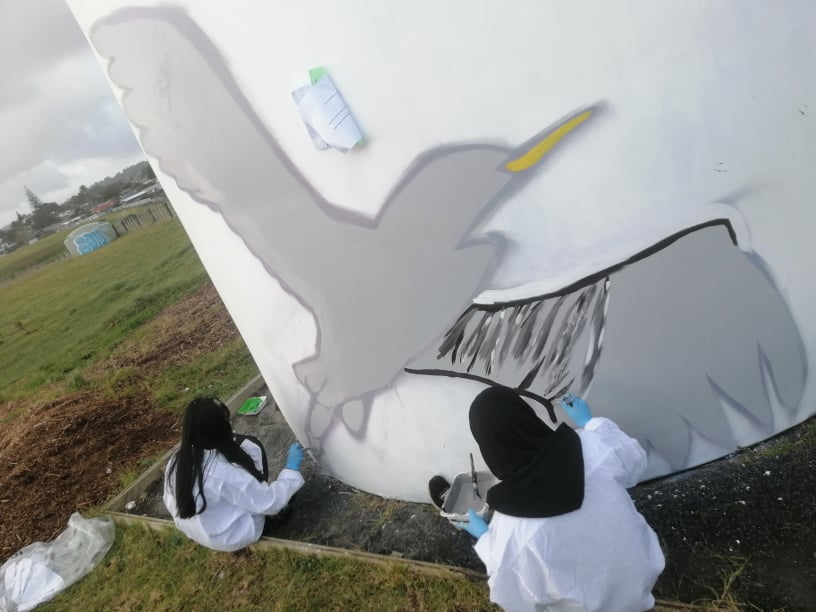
(60, 125)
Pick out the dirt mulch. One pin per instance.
(196, 325)
(66, 455)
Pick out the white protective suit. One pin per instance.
(237, 503)
(603, 555)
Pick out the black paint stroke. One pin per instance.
(596, 276)
(546, 402)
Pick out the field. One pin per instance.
(101, 353)
(51, 248)
(41, 252)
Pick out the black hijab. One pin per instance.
(541, 470)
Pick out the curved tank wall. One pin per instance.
(610, 198)
(89, 237)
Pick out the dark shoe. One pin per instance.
(438, 489)
(275, 521)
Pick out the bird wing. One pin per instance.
(193, 118)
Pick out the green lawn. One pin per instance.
(65, 316)
(44, 250)
(51, 247)
(58, 322)
(150, 570)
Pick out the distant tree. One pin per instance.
(149, 172)
(32, 198)
(111, 191)
(42, 214)
(6, 238)
(18, 232)
(74, 205)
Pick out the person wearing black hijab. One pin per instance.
(565, 534)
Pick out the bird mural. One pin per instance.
(690, 329)
(366, 280)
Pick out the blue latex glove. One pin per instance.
(576, 408)
(475, 526)
(295, 457)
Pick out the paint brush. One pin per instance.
(473, 478)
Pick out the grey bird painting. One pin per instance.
(381, 289)
(688, 344)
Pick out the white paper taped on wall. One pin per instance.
(325, 114)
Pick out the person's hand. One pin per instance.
(576, 408)
(475, 524)
(295, 457)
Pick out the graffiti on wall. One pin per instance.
(90, 241)
(89, 237)
(688, 340)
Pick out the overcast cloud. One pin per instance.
(60, 124)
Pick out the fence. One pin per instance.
(160, 212)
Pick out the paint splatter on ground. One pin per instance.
(753, 513)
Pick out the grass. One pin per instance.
(129, 475)
(57, 326)
(41, 252)
(63, 317)
(723, 597)
(779, 446)
(217, 374)
(162, 570)
(386, 508)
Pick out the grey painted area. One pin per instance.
(696, 343)
(542, 345)
(696, 336)
(695, 312)
(382, 290)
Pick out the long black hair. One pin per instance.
(206, 426)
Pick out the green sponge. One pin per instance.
(252, 405)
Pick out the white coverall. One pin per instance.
(237, 503)
(603, 555)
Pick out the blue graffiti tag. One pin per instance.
(90, 241)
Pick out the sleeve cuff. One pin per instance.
(482, 547)
(291, 475)
(594, 423)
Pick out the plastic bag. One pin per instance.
(39, 571)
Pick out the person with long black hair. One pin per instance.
(215, 485)
(564, 534)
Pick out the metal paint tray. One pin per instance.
(461, 496)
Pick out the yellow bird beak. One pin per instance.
(535, 153)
